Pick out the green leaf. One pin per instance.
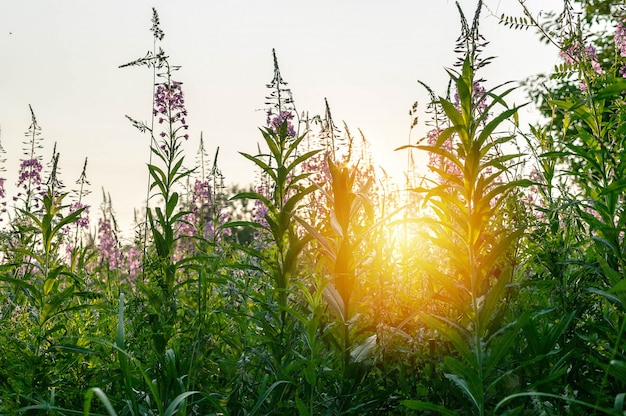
(174, 406)
(170, 206)
(491, 126)
(450, 330)
(464, 385)
(326, 243)
(103, 398)
(335, 301)
(616, 186)
(48, 285)
(273, 141)
(264, 397)
(264, 166)
(301, 159)
(618, 404)
(453, 114)
(363, 350)
(420, 405)
(616, 88)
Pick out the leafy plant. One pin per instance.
(472, 229)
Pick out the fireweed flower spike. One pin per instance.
(592, 55)
(83, 219)
(29, 177)
(169, 104)
(274, 121)
(108, 243)
(620, 44)
(3, 203)
(108, 246)
(620, 38)
(575, 54)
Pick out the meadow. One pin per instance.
(493, 284)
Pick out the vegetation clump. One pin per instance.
(492, 284)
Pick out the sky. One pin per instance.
(364, 56)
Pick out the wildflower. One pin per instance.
(3, 204)
(620, 39)
(30, 172)
(569, 54)
(438, 161)
(274, 121)
(259, 212)
(170, 105)
(592, 55)
(573, 55)
(134, 259)
(83, 219)
(108, 245)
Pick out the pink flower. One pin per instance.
(30, 171)
(134, 262)
(170, 104)
(592, 55)
(620, 38)
(110, 254)
(83, 219)
(274, 121)
(437, 161)
(574, 55)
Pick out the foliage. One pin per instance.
(493, 284)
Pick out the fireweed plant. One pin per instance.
(338, 246)
(78, 249)
(471, 227)
(3, 203)
(163, 287)
(283, 188)
(42, 296)
(280, 196)
(581, 147)
(167, 131)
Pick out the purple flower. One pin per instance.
(436, 160)
(274, 121)
(30, 171)
(620, 38)
(134, 259)
(2, 190)
(592, 55)
(83, 219)
(569, 55)
(170, 104)
(110, 254)
(573, 55)
(260, 210)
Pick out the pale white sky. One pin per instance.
(365, 56)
